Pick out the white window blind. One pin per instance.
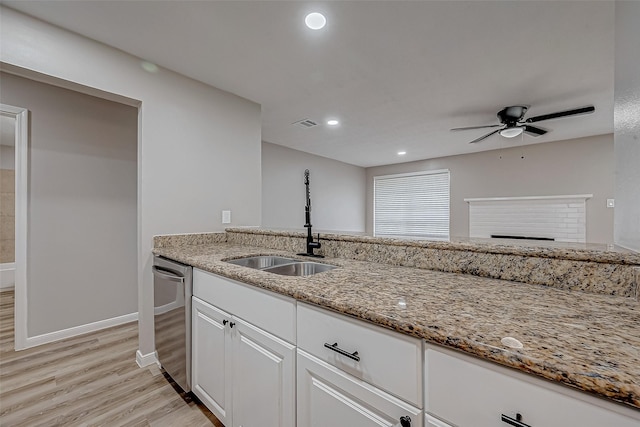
(412, 205)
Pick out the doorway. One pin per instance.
(7, 202)
(80, 271)
(13, 209)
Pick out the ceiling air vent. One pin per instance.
(305, 123)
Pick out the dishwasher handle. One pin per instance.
(167, 275)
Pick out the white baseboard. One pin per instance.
(79, 330)
(7, 275)
(168, 307)
(147, 359)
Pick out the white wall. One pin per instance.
(82, 200)
(198, 147)
(337, 191)
(627, 125)
(578, 166)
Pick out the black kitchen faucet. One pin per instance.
(311, 245)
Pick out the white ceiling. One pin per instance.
(398, 75)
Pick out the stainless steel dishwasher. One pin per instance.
(172, 290)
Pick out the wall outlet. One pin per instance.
(226, 217)
(611, 203)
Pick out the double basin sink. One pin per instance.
(283, 266)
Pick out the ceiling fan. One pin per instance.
(513, 123)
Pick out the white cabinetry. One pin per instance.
(211, 358)
(244, 374)
(263, 378)
(364, 375)
(352, 373)
(329, 397)
(468, 392)
(378, 349)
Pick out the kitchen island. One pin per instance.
(586, 340)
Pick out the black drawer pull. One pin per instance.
(337, 349)
(517, 422)
(224, 322)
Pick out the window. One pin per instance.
(412, 205)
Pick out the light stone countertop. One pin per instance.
(596, 252)
(587, 341)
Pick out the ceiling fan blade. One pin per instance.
(476, 127)
(485, 136)
(534, 131)
(574, 112)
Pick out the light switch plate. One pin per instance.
(226, 217)
(610, 203)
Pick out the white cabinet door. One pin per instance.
(263, 378)
(211, 359)
(328, 397)
(244, 375)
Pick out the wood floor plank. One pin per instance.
(153, 403)
(90, 380)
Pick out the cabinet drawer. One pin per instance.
(274, 313)
(473, 393)
(328, 397)
(388, 360)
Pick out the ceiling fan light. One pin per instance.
(511, 132)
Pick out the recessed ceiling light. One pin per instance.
(333, 122)
(149, 67)
(401, 153)
(315, 20)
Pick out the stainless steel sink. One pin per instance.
(261, 262)
(300, 268)
(281, 265)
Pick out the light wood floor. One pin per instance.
(90, 380)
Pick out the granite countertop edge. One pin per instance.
(340, 290)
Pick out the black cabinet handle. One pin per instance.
(337, 349)
(405, 421)
(231, 325)
(517, 422)
(224, 322)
